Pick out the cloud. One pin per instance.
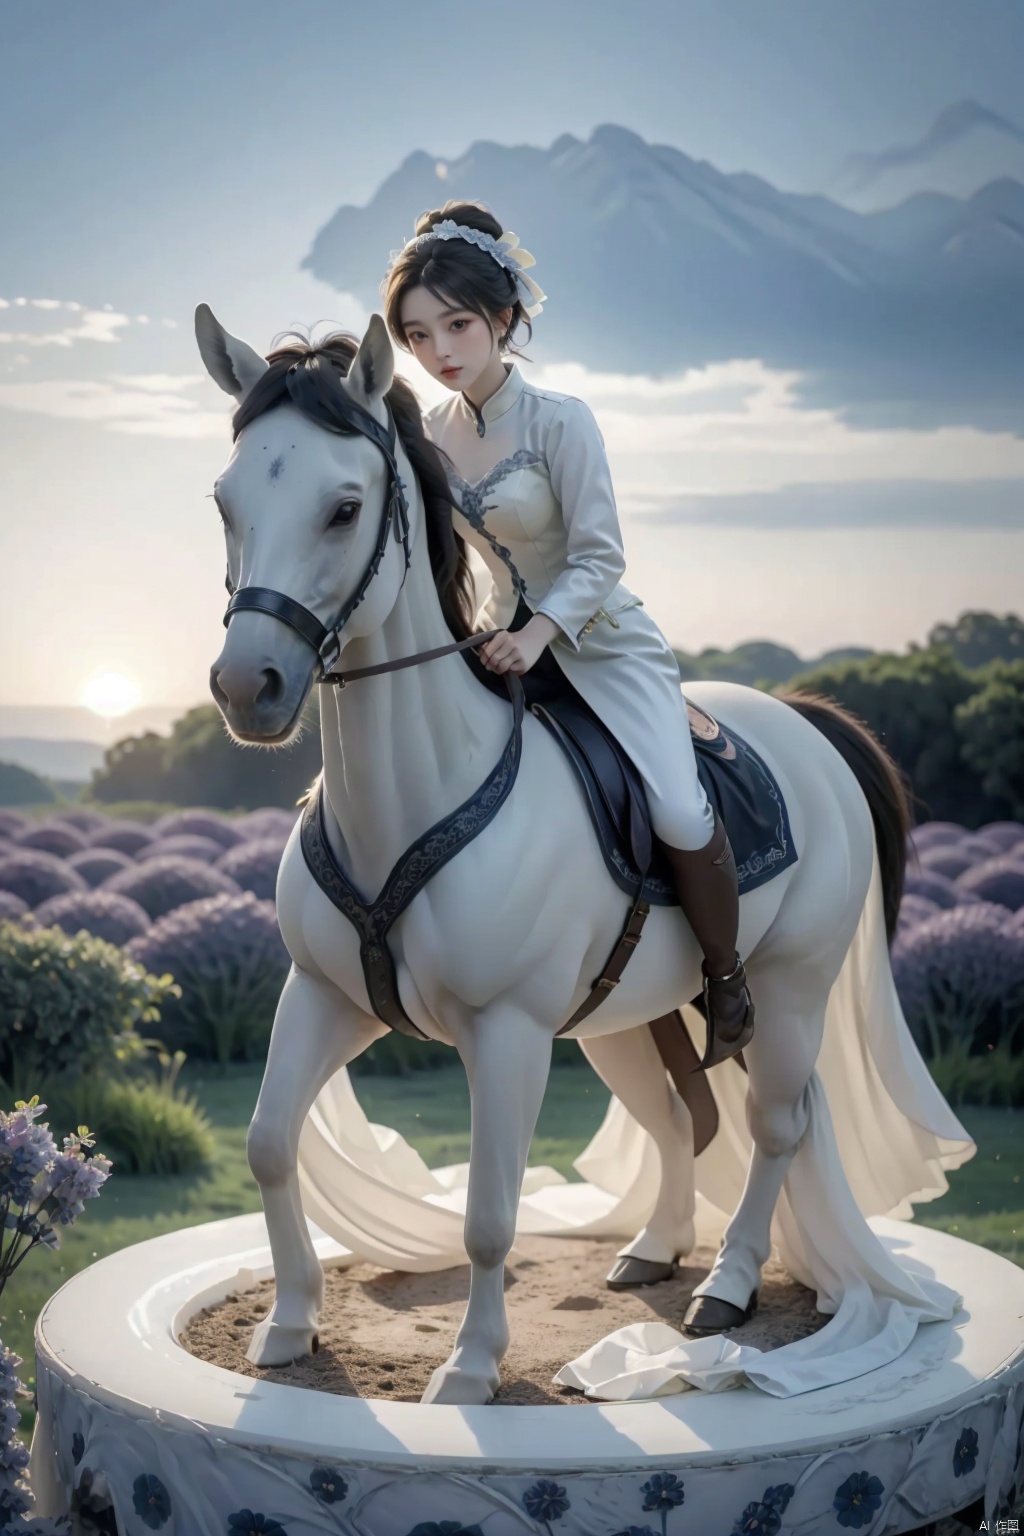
(888, 504)
(94, 325)
(738, 428)
(150, 404)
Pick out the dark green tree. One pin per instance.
(19, 786)
(910, 703)
(200, 764)
(978, 638)
(990, 725)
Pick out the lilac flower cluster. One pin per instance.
(199, 824)
(41, 1189)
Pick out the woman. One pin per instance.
(530, 479)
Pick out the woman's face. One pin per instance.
(454, 345)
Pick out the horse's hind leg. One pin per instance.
(780, 1059)
(316, 1031)
(631, 1066)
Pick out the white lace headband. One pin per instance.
(506, 251)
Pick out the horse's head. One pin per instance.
(303, 498)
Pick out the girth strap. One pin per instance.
(373, 920)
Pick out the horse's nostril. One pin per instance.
(220, 698)
(273, 689)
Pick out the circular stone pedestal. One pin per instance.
(140, 1435)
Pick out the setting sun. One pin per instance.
(110, 694)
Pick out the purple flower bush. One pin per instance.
(113, 918)
(85, 821)
(977, 846)
(41, 1190)
(188, 845)
(198, 824)
(1006, 834)
(51, 837)
(11, 907)
(160, 885)
(948, 859)
(268, 822)
(933, 833)
(960, 978)
(11, 823)
(98, 864)
(1000, 880)
(36, 876)
(228, 958)
(254, 865)
(123, 836)
(938, 889)
(916, 909)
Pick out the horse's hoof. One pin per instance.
(276, 1344)
(707, 1315)
(627, 1272)
(453, 1384)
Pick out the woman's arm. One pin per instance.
(581, 480)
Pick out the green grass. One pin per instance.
(985, 1203)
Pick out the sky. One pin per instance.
(163, 155)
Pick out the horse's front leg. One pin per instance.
(507, 1058)
(317, 1030)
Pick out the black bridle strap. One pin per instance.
(324, 639)
(279, 606)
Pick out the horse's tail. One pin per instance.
(885, 787)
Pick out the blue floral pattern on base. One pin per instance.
(151, 1500)
(965, 1453)
(245, 1523)
(328, 1485)
(764, 1516)
(545, 1501)
(858, 1500)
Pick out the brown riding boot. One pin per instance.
(709, 896)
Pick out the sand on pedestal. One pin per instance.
(382, 1332)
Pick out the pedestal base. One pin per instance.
(130, 1423)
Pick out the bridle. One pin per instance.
(326, 639)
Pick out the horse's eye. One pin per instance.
(344, 513)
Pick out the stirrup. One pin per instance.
(717, 1050)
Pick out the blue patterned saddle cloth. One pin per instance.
(739, 784)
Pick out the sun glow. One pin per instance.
(110, 694)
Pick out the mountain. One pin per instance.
(656, 262)
(967, 146)
(61, 722)
(69, 760)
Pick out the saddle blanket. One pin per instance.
(738, 783)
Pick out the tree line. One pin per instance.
(951, 712)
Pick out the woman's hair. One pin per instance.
(457, 271)
(322, 398)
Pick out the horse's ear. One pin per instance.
(373, 367)
(231, 363)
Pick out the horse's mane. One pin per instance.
(325, 401)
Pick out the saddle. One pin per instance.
(738, 783)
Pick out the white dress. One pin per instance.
(532, 483)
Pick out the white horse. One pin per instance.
(503, 942)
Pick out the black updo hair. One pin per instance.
(457, 271)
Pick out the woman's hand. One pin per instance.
(519, 651)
